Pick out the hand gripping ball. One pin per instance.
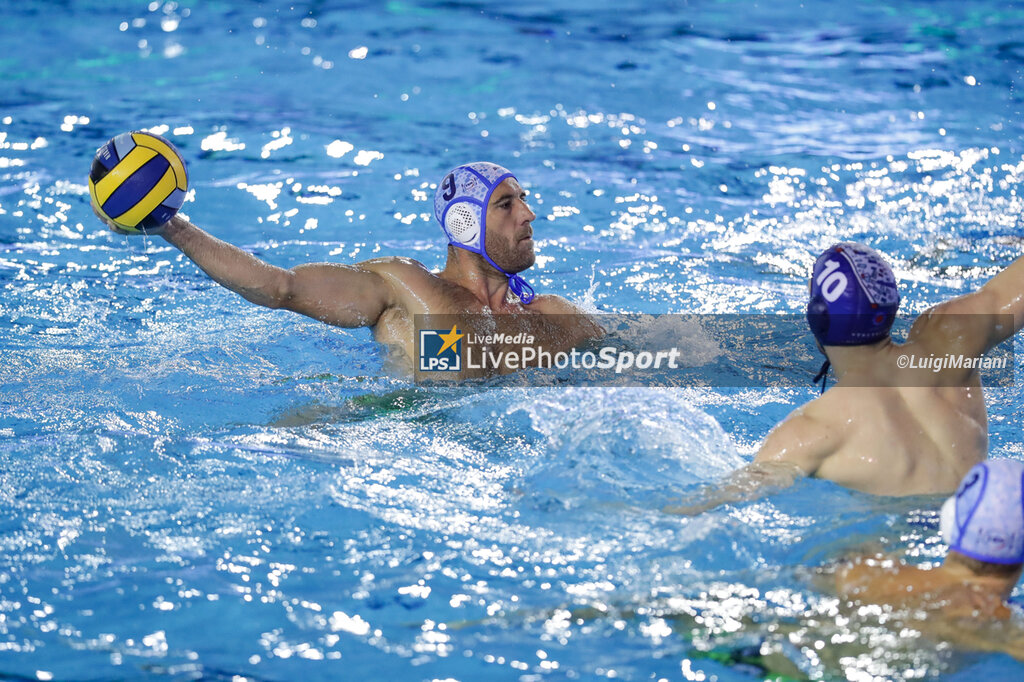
(138, 181)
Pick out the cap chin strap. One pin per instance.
(521, 288)
(822, 374)
(516, 284)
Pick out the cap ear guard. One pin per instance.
(947, 521)
(461, 223)
(817, 317)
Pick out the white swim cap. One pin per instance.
(460, 205)
(984, 520)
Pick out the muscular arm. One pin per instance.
(800, 440)
(978, 321)
(796, 447)
(342, 295)
(743, 485)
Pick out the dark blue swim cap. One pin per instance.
(853, 296)
(460, 205)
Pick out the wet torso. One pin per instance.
(903, 439)
(418, 292)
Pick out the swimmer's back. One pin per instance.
(901, 440)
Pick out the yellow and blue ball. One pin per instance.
(138, 181)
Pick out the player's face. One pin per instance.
(509, 232)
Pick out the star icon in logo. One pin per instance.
(450, 339)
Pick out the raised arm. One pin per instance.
(979, 321)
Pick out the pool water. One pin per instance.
(196, 488)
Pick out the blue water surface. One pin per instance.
(196, 488)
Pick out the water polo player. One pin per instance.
(483, 211)
(983, 525)
(885, 428)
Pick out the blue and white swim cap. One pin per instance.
(460, 205)
(853, 296)
(984, 520)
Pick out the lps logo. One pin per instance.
(440, 351)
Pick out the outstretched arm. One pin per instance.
(748, 483)
(342, 295)
(795, 448)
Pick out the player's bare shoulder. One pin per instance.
(943, 328)
(808, 437)
(406, 275)
(567, 318)
(397, 266)
(831, 411)
(552, 304)
(418, 290)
